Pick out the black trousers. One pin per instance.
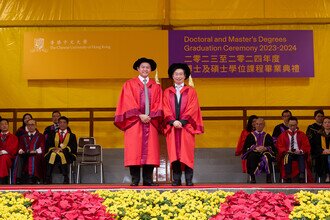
(177, 172)
(21, 161)
(253, 160)
(50, 167)
(322, 165)
(147, 173)
(301, 163)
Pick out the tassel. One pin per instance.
(156, 77)
(191, 82)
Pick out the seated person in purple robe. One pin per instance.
(259, 151)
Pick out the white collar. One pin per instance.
(29, 133)
(179, 86)
(65, 131)
(141, 78)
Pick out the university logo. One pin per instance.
(39, 45)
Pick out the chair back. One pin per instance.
(86, 140)
(92, 153)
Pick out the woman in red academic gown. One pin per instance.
(182, 121)
(240, 144)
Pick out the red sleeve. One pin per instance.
(240, 143)
(305, 145)
(42, 143)
(193, 113)
(127, 110)
(281, 144)
(168, 112)
(11, 145)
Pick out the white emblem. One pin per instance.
(39, 45)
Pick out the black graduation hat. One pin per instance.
(176, 66)
(152, 63)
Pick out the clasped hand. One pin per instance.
(144, 118)
(177, 124)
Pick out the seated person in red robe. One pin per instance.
(293, 146)
(240, 144)
(29, 160)
(23, 129)
(8, 150)
(259, 151)
(61, 148)
(182, 121)
(139, 114)
(320, 150)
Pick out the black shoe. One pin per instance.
(66, 180)
(253, 179)
(176, 183)
(189, 183)
(268, 178)
(48, 181)
(19, 181)
(150, 184)
(134, 184)
(288, 180)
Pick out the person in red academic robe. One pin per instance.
(29, 160)
(294, 153)
(8, 150)
(139, 114)
(240, 144)
(182, 121)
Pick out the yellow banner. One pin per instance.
(91, 54)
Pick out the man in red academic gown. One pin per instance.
(294, 152)
(8, 150)
(29, 161)
(139, 114)
(182, 120)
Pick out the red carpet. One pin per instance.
(72, 187)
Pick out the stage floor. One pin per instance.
(249, 188)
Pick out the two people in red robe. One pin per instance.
(8, 150)
(182, 121)
(139, 114)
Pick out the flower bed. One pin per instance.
(13, 205)
(156, 205)
(152, 204)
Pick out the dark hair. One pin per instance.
(64, 118)
(326, 117)
(249, 126)
(319, 111)
(26, 114)
(56, 111)
(292, 118)
(286, 111)
(4, 119)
